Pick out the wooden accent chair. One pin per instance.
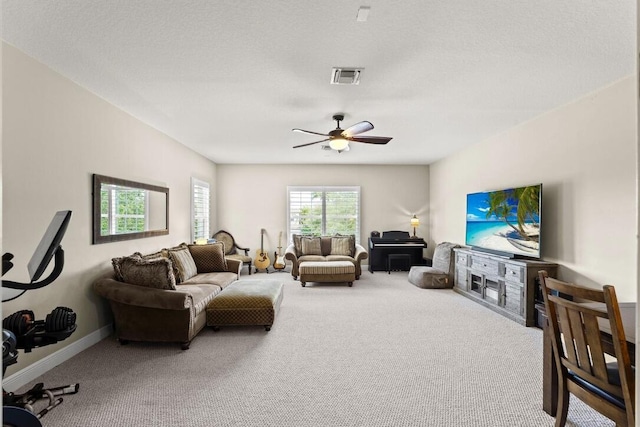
(579, 350)
(231, 248)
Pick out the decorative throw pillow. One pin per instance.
(209, 258)
(160, 254)
(184, 267)
(152, 273)
(117, 262)
(352, 243)
(297, 243)
(311, 246)
(340, 246)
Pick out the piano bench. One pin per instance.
(403, 259)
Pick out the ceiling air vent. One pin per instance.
(346, 76)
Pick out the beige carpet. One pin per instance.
(382, 353)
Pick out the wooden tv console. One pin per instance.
(507, 286)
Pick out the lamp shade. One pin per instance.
(415, 222)
(338, 144)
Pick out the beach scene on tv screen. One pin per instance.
(505, 220)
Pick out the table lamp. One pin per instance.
(415, 222)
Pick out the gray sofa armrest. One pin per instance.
(361, 253)
(290, 254)
(234, 266)
(141, 296)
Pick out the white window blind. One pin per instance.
(323, 211)
(200, 209)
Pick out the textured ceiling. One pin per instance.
(231, 78)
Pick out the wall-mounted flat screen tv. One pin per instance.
(505, 222)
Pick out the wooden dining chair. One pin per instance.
(579, 350)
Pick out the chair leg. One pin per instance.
(563, 404)
(249, 268)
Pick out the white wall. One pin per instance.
(56, 135)
(251, 197)
(585, 155)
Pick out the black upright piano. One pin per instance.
(394, 242)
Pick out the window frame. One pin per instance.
(324, 190)
(195, 184)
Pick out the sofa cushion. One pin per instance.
(201, 294)
(311, 246)
(184, 267)
(223, 279)
(152, 273)
(304, 258)
(341, 246)
(209, 258)
(339, 258)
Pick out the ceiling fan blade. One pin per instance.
(309, 132)
(371, 139)
(357, 129)
(310, 143)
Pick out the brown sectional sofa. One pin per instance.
(160, 297)
(325, 248)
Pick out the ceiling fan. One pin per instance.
(339, 138)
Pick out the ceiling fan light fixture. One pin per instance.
(338, 144)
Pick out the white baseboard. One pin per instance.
(31, 372)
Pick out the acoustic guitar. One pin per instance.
(262, 260)
(279, 263)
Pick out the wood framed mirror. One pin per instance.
(124, 210)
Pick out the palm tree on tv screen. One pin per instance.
(523, 201)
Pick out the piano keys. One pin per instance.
(394, 242)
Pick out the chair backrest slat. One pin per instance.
(579, 340)
(599, 364)
(566, 329)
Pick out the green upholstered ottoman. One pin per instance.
(246, 302)
(327, 271)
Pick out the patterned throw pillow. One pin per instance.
(184, 267)
(340, 246)
(209, 258)
(311, 246)
(152, 273)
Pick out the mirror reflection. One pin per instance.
(128, 210)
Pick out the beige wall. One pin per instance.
(56, 135)
(251, 197)
(585, 155)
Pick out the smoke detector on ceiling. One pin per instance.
(346, 76)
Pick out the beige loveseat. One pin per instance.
(325, 248)
(162, 296)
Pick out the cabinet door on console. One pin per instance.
(462, 274)
(514, 288)
(513, 298)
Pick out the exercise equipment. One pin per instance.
(21, 330)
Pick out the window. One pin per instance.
(199, 209)
(324, 211)
(123, 210)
